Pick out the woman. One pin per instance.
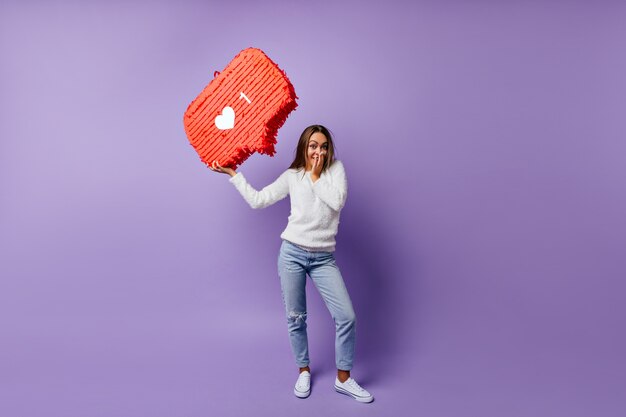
(317, 186)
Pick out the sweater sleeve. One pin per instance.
(333, 194)
(269, 195)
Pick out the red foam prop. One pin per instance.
(240, 111)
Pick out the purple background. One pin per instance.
(483, 241)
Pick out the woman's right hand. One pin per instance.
(215, 166)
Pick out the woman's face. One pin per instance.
(318, 145)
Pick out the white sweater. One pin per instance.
(315, 206)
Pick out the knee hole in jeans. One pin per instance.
(295, 316)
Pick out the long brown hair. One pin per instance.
(303, 144)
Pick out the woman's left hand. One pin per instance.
(316, 169)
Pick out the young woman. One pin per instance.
(317, 186)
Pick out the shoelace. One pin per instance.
(354, 384)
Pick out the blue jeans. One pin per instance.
(294, 263)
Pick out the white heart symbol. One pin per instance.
(226, 120)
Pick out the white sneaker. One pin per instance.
(354, 390)
(303, 385)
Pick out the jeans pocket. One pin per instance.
(292, 266)
(288, 262)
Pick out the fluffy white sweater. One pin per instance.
(315, 206)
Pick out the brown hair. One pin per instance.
(299, 161)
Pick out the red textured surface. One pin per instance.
(256, 124)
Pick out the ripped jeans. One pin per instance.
(294, 263)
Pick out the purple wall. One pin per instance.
(483, 241)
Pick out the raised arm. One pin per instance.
(269, 195)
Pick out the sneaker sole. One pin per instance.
(349, 394)
(300, 394)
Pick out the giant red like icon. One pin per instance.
(240, 111)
